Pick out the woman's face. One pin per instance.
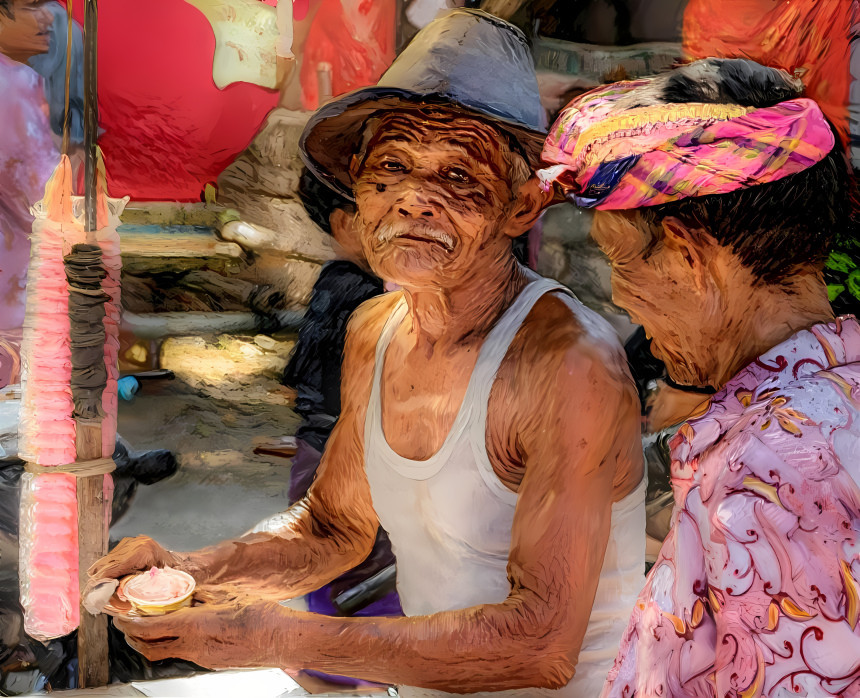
(659, 284)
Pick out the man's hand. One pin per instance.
(222, 629)
(134, 555)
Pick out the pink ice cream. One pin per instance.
(158, 586)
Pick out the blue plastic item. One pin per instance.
(127, 387)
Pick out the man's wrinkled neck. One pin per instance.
(452, 311)
(761, 317)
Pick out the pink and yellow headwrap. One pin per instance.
(617, 147)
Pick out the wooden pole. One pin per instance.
(66, 114)
(91, 113)
(93, 507)
(93, 518)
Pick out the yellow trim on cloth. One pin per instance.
(642, 117)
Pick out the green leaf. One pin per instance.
(853, 283)
(833, 291)
(841, 262)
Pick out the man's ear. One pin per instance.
(530, 201)
(345, 234)
(354, 167)
(341, 224)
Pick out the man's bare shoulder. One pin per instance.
(564, 389)
(574, 384)
(562, 331)
(367, 321)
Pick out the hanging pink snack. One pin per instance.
(49, 555)
(49, 509)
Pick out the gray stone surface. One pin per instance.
(569, 255)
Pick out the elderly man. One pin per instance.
(719, 190)
(489, 423)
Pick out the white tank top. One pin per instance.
(449, 517)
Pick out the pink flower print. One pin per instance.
(774, 407)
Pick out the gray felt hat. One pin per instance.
(466, 59)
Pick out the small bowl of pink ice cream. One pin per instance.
(157, 591)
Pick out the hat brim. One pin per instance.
(334, 133)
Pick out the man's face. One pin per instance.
(660, 289)
(432, 197)
(27, 32)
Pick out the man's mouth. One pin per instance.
(423, 234)
(445, 244)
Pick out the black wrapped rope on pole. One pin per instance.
(84, 272)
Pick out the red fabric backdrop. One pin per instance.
(812, 37)
(167, 130)
(356, 42)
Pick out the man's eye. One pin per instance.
(392, 166)
(457, 174)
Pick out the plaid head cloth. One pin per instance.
(615, 148)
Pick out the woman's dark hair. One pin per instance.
(6, 8)
(319, 200)
(775, 228)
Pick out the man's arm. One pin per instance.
(325, 534)
(531, 639)
(559, 536)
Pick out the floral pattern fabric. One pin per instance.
(756, 591)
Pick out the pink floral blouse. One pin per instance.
(755, 591)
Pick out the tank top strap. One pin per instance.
(471, 419)
(499, 339)
(493, 352)
(391, 325)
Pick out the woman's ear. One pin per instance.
(694, 246)
(530, 201)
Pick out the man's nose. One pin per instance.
(415, 204)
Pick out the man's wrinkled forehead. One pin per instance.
(476, 138)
